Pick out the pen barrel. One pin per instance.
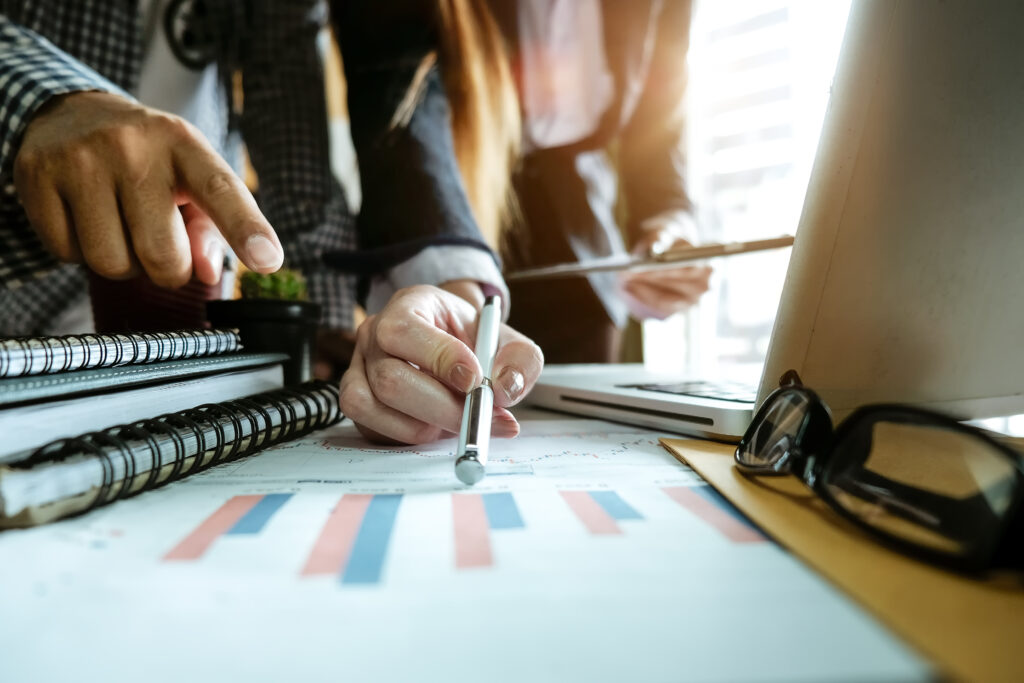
(475, 432)
(475, 435)
(487, 331)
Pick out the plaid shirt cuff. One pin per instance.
(32, 71)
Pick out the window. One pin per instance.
(760, 73)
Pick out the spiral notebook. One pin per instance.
(71, 476)
(35, 410)
(46, 355)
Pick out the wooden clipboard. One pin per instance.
(971, 629)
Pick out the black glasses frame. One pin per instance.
(809, 457)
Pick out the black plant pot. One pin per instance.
(272, 325)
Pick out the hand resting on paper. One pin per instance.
(414, 363)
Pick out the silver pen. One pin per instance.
(475, 433)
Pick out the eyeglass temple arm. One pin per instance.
(953, 516)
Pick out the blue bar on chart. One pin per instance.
(614, 505)
(366, 563)
(239, 515)
(257, 517)
(716, 511)
(474, 517)
(502, 512)
(594, 517)
(709, 494)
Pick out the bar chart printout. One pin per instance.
(474, 516)
(310, 559)
(708, 504)
(241, 516)
(600, 511)
(354, 540)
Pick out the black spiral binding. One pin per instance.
(137, 432)
(124, 443)
(83, 351)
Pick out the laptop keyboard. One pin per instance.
(722, 391)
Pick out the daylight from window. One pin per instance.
(760, 74)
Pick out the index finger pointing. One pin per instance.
(214, 187)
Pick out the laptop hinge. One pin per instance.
(695, 419)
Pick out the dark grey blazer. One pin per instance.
(413, 195)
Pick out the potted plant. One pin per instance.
(273, 315)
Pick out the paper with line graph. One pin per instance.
(587, 552)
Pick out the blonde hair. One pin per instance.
(485, 111)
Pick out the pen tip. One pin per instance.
(469, 470)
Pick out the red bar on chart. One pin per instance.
(589, 511)
(332, 549)
(726, 522)
(226, 516)
(472, 531)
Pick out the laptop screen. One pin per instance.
(905, 283)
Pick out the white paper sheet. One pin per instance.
(573, 560)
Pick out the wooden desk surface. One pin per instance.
(971, 629)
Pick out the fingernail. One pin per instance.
(215, 255)
(263, 253)
(462, 378)
(511, 382)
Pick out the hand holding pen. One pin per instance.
(475, 431)
(414, 364)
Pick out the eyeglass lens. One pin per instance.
(932, 486)
(769, 444)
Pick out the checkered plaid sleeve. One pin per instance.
(33, 70)
(284, 124)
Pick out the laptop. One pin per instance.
(906, 281)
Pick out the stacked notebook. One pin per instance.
(88, 419)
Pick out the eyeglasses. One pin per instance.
(918, 480)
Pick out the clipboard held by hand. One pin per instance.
(667, 259)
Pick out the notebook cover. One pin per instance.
(970, 627)
(265, 419)
(34, 388)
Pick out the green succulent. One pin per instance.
(285, 284)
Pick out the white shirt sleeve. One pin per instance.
(434, 266)
(679, 222)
